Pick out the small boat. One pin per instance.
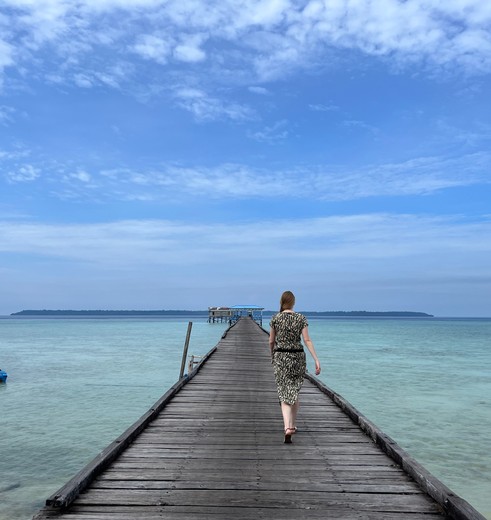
(3, 376)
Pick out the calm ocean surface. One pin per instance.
(76, 384)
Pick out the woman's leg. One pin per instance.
(295, 408)
(287, 411)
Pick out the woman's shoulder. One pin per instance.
(298, 314)
(301, 318)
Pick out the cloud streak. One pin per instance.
(209, 108)
(382, 243)
(416, 177)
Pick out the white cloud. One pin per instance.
(268, 39)
(355, 124)
(15, 154)
(25, 173)
(189, 50)
(259, 90)
(271, 134)
(83, 81)
(81, 176)
(44, 22)
(153, 47)
(319, 107)
(207, 108)
(266, 13)
(6, 59)
(6, 54)
(6, 115)
(283, 57)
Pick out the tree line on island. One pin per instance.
(128, 313)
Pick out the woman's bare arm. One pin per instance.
(272, 339)
(310, 346)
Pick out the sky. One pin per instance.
(180, 154)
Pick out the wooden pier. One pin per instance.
(212, 448)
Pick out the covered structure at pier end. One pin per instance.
(252, 311)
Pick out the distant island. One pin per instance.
(47, 312)
(393, 314)
(102, 313)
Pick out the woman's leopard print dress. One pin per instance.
(289, 367)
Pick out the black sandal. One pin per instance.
(288, 435)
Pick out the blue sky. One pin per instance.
(179, 154)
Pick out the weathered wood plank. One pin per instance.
(213, 475)
(326, 485)
(248, 498)
(347, 461)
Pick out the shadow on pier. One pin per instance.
(212, 447)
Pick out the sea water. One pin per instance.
(75, 384)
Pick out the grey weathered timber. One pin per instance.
(213, 449)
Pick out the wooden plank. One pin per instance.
(248, 498)
(321, 484)
(212, 474)
(348, 461)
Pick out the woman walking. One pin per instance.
(288, 357)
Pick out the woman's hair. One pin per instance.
(287, 300)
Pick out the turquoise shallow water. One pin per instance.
(75, 384)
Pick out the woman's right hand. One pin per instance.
(317, 367)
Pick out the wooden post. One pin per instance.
(185, 351)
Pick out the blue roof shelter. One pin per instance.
(252, 311)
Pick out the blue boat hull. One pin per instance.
(3, 376)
